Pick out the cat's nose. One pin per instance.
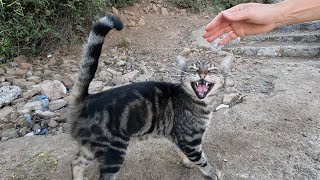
(202, 76)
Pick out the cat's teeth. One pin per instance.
(197, 83)
(206, 83)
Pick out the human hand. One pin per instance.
(242, 20)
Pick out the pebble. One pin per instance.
(53, 123)
(57, 104)
(164, 11)
(23, 131)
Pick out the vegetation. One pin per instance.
(30, 27)
(217, 5)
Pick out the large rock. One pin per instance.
(9, 94)
(10, 133)
(5, 111)
(32, 106)
(57, 104)
(53, 89)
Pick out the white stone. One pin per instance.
(53, 89)
(9, 94)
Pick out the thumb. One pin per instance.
(240, 15)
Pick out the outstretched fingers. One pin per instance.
(231, 36)
(219, 33)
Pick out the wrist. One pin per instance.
(281, 16)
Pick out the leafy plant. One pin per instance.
(31, 27)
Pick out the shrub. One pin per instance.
(217, 5)
(30, 27)
(120, 3)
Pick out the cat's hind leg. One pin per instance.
(80, 163)
(111, 161)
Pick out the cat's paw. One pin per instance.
(188, 164)
(211, 176)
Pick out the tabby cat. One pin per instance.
(104, 123)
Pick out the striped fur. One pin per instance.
(104, 123)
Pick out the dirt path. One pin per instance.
(273, 135)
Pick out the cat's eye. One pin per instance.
(193, 67)
(213, 69)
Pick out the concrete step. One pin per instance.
(311, 26)
(298, 36)
(271, 49)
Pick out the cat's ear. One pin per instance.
(225, 64)
(181, 63)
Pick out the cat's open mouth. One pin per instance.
(201, 88)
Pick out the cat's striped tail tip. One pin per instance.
(111, 22)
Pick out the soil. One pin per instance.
(274, 134)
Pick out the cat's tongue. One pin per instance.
(202, 88)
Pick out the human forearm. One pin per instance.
(297, 11)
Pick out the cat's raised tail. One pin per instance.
(92, 51)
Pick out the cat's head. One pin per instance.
(202, 78)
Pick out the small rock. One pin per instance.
(63, 117)
(32, 92)
(53, 123)
(67, 82)
(20, 59)
(2, 71)
(29, 73)
(10, 133)
(131, 74)
(23, 131)
(45, 114)
(164, 11)
(5, 84)
(131, 24)
(186, 52)
(66, 127)
(115, 11)
(57, 77)
(29, 106)
(17, 101)
(121, 63)
(53, 89)
(155, 8)
(36, 127)
(27, 85)
(20, 72)
(104, 76)
(5, 111)
(25, 65)
(6, 126)
(22, 122)
(52, 62)
(95, 87)
(113, 72)
(34, 79)
(57, 104)
(17, 82)
(9, 94)
(141, 22)
(114, 52)
(47, 74)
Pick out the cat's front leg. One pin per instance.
(197, 157)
